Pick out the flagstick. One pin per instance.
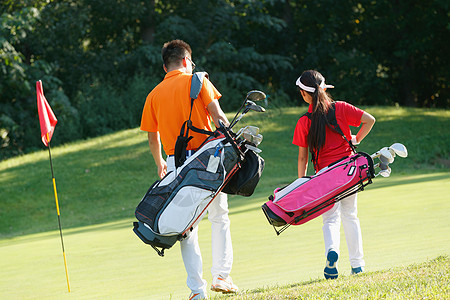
(57, 210)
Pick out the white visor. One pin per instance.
(311, 89)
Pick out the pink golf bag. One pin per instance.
(308, 197)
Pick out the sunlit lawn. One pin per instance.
(404, 218)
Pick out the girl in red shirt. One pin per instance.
(328, 146)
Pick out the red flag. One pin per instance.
(47, 118)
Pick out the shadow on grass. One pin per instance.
(102, 180)
(237, 205)
(54, 234)
(261, 196)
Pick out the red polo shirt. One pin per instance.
(335, 146)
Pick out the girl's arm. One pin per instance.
(302, 161)
(367, 121)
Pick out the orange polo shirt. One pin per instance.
(168, 106)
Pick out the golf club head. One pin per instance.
(254, 139)
(249, 129)
(256, 95)
(253, 148)
(252, 106)
(251, 134)
(253, 95)
(385, 173)
(399, 149)
(384, 162)
(386, 155)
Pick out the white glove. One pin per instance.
(354, 142)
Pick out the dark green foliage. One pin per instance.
(99, 59)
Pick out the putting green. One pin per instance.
(404, 220)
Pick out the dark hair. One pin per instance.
(320, 103)
(174, 51)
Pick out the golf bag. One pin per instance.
(308, 197)
(174, 205)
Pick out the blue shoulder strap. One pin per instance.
(197, 83)
(196, 87)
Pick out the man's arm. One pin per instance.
(155, 147)
(217, 113)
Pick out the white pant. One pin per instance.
(222, 249)
(347, 209)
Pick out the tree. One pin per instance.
(98, 59)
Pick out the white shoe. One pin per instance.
(224, 285)
(196, 296)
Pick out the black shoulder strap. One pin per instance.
(333, 124)
(307, 114)
(184, 138)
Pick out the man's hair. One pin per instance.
(174, 51)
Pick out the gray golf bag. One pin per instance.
(174, 205)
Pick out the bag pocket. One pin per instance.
(184, 209)
(180, 150)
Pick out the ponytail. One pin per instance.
(313, 83)
(317, 133)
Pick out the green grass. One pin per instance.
(429, 280)
(100, 181)
(109, 261)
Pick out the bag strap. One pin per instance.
(197, 83)
(333, 124)
(184, 138)
(196, 87)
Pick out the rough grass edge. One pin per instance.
(428, 280)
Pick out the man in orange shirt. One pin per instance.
(166, 108)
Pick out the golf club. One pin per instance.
(398, 149)
(386, 156)
(253, 95)
(254, 139)
(253, 148)
(250, 129)
(385, 173)
(256, 95)
(383, 152)
(253, 106)
(250, 134)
